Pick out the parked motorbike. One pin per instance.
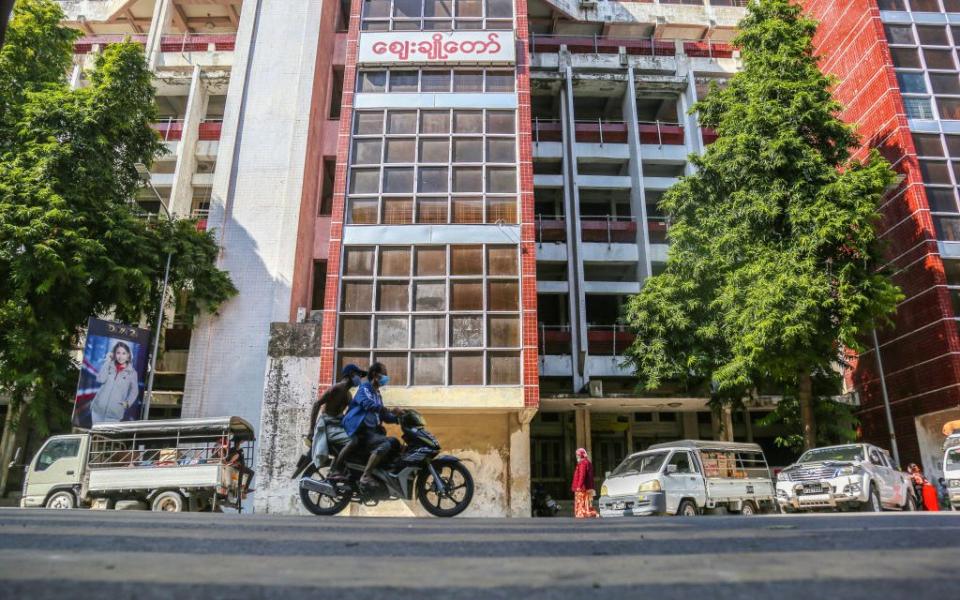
(543, 503)
(442, 484)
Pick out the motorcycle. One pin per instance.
(543, 503)
(442, 484)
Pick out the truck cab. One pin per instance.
(951, 469)
(54, 477)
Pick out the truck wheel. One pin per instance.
(911, 504)
(748, 509)
(873, 501)
(687, 509)
(62, 500)
(168, 502)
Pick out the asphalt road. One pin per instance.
(86, 554)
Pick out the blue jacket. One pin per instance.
(366, 409)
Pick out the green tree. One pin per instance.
(72, 241)
(773, 238)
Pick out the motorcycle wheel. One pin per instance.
(459, 483)
(318, 504)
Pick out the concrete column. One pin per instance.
(691, 127)
(727, 415)
(638, 201)
(582, 428)
(748, 425)
(290, 390)
(162, 14)
(75, 75)
(519, 492)
(181, 194)
(691, 427)
(571, 196)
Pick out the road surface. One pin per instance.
(85, 554)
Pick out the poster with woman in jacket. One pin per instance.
(111, 377)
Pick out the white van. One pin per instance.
(688, 477)
(951, 469)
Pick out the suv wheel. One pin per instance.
(911, 504)
(873, 501)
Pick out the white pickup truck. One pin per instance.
(171, 465)
(848, 477)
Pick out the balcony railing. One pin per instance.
(198, 42)
(707, 50)
(598, 44)
(660, 133)
(609, 131)
(551, 228)
(209, 130)
(85, 45)
(609, 229)
(554, 339)
(171, 130)
(600, 131)
(657, 230)
(201, 215)
(608, 340)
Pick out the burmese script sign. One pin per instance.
(429, 47)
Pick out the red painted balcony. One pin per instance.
(551, 228)
(85, 45)
(603, 131)
(547, 130)
(608, 340)
(554, 339)
(198, 42)
(661, 133)
(598, 44)
(657, 230)
(170, 130)
(609, 229)
(709, 135)
(201, 215)
(209, 130)
(600, 131)
(708, 50)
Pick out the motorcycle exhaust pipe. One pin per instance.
(320, 487)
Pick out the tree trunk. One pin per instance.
(805, 397)
(7, 448)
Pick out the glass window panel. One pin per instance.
(409, 9)
(956, 170)
(501, 180)
(500, 81)
(503, 368)
(369, 123)
(391, 332)
(400, 150)
(501, 210)
(435, 150)
(406, 25)
(504, 331)
(951, 6)
(431, 261)
(928, 144)
(358, 261)
(945, 83)
(396, 366)
(467, 179)
(433, 180)
(949, 108)
(501, 260)
(500, 24)
(397, 211)
(932, 35)
(924, 6)
(939, 59)
(942, 199)
(438, 25)
(466, 331)
(948, 230)
(372, 81)
(435, 121)
(952, 267)
(366, 151)
(363, 211)
(500, 8)
(436, 81)
(375, 25)
(393, 296)
(501, 150)
(468, 81)
(402, 121)
(357, 296)
(395, 262)
(403, 81)
(935, 171)
(503, 295)
(467, 150)
(355, 358)
(466, 260)
(500, 121)
(906, 58)
(364, 181)
(467, 210)
(467, 121)
(466, 295)
(397, 181)
(428, 369)
(912, 83)
(891, 5)
(430, 296)
(376, 8)
(899, 34)
(953, 145)
(438, 8)
(918, 108)
(432, 210)
(466, 368)
(469, 8)
(464, 24)
(429, 332)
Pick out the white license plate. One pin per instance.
(618, 505)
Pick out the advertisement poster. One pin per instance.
(113, 374)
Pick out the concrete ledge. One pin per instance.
(442, 397)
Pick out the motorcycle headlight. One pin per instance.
(783, 476)
(650, 486)
(850, 470)
(955, 483)
(603, 490)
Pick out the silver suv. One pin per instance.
(849, 477)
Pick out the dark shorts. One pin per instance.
(375, 442)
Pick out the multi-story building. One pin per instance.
(464, 190)
(897, 70)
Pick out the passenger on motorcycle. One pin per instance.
(364, 418)
(327, 427)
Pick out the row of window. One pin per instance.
(434, 122)
(433, 210)
(436, 81)
(433, 180)
(927, 75)
(434, 150)
(920, 5)
(442, 368)
(436, 15)
(429, 332)
(466, 260)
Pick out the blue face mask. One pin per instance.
(384, 380)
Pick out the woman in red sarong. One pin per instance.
(925, 492)
(583, 487)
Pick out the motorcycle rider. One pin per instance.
(364, 418)
(325, 418)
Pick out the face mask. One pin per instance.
(384, 380)
(355, 380)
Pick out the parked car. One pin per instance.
(170, 465)
(687, 477)
(951, 469)
(848, 477)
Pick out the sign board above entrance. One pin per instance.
(431, 47)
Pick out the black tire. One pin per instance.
(687, 508)
(748, 509)
(911, 504)
(459, 483)
(318, 504)
(873, 501)
(169, 501)
(61, 500)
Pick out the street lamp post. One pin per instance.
(148, 396)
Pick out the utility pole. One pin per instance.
(886, 401)
(6, 7)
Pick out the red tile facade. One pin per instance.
(921, 350)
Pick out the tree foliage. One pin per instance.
(72, 242)
(771, 268)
